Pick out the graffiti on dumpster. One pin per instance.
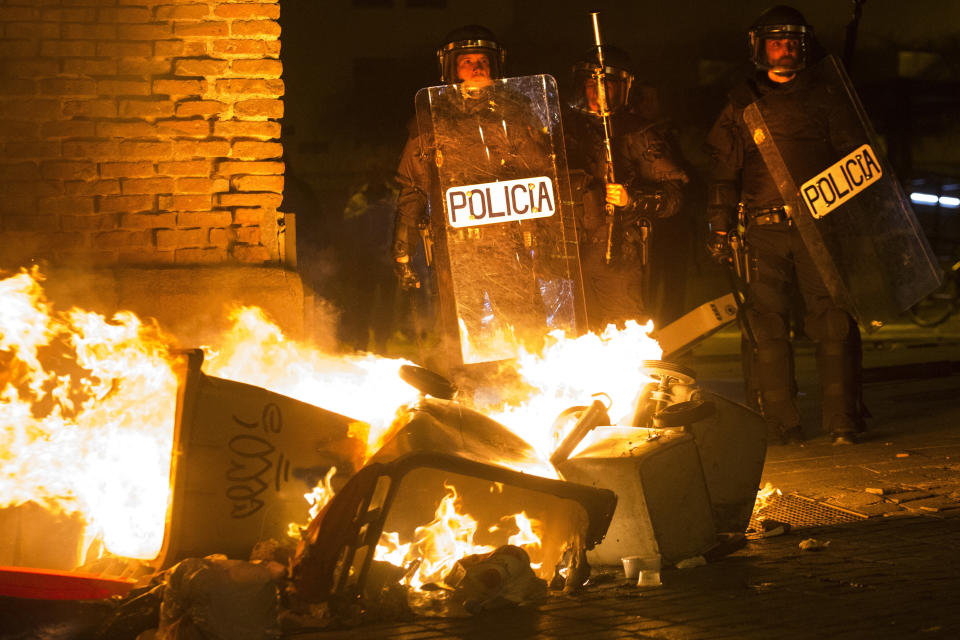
(252, 464)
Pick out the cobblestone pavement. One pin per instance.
(882, 578)
(891, 573)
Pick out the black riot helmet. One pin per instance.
(471, 38)
(776, 23)
(618, 72)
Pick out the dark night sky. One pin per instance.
(338, 58)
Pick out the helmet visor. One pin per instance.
(780, 48)
(452, 67)
(586, 85)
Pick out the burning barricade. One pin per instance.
(420, 498)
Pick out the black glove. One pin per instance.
(719, 247)
(406, 276)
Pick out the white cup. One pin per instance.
(631, 566)
(648, 571)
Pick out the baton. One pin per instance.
(600, 77)
(739, 276)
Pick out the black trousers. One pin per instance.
(779, 263)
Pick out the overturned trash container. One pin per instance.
(663, 503)
(244, 458)
(441, 444)
(686, 471)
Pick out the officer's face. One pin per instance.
(612, 93)
(782, 52)
(473, 69)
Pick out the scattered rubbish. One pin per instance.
(690, 563)
(649, 578)
(727, 543)
(908, 496)
(494, 580)
(436, 603)
(644, 569)
(601, 577)
(770, 528)
(899, 513)
(648, 571)
(135, 614)
(631, 567)
(879, 491)
(220, 598)
(811, 544)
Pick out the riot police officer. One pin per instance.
(648, 185)
(470, 55)
(489, 133)
(781, 44)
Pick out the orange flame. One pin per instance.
(390, 550)
(525, 536)
(88, 406)
(362, 385)
(437, 546)
(497, 342)
(765, 495)
(441, 543)
(318, 498)
(78, 438)
(568, 372)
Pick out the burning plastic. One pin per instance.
(220, 598)
(502, 577)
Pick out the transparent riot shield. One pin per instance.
(505, 247)
(844, 199)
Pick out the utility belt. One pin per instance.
(767, 216)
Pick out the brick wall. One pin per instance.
(140, 132)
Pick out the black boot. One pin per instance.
(786, 434)
(845, 430)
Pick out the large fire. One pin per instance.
(569, 371)
(88, 402)
(87, 408)
(362, 385)
(438, 545)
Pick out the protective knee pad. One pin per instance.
(767, 326)
(831, 325)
